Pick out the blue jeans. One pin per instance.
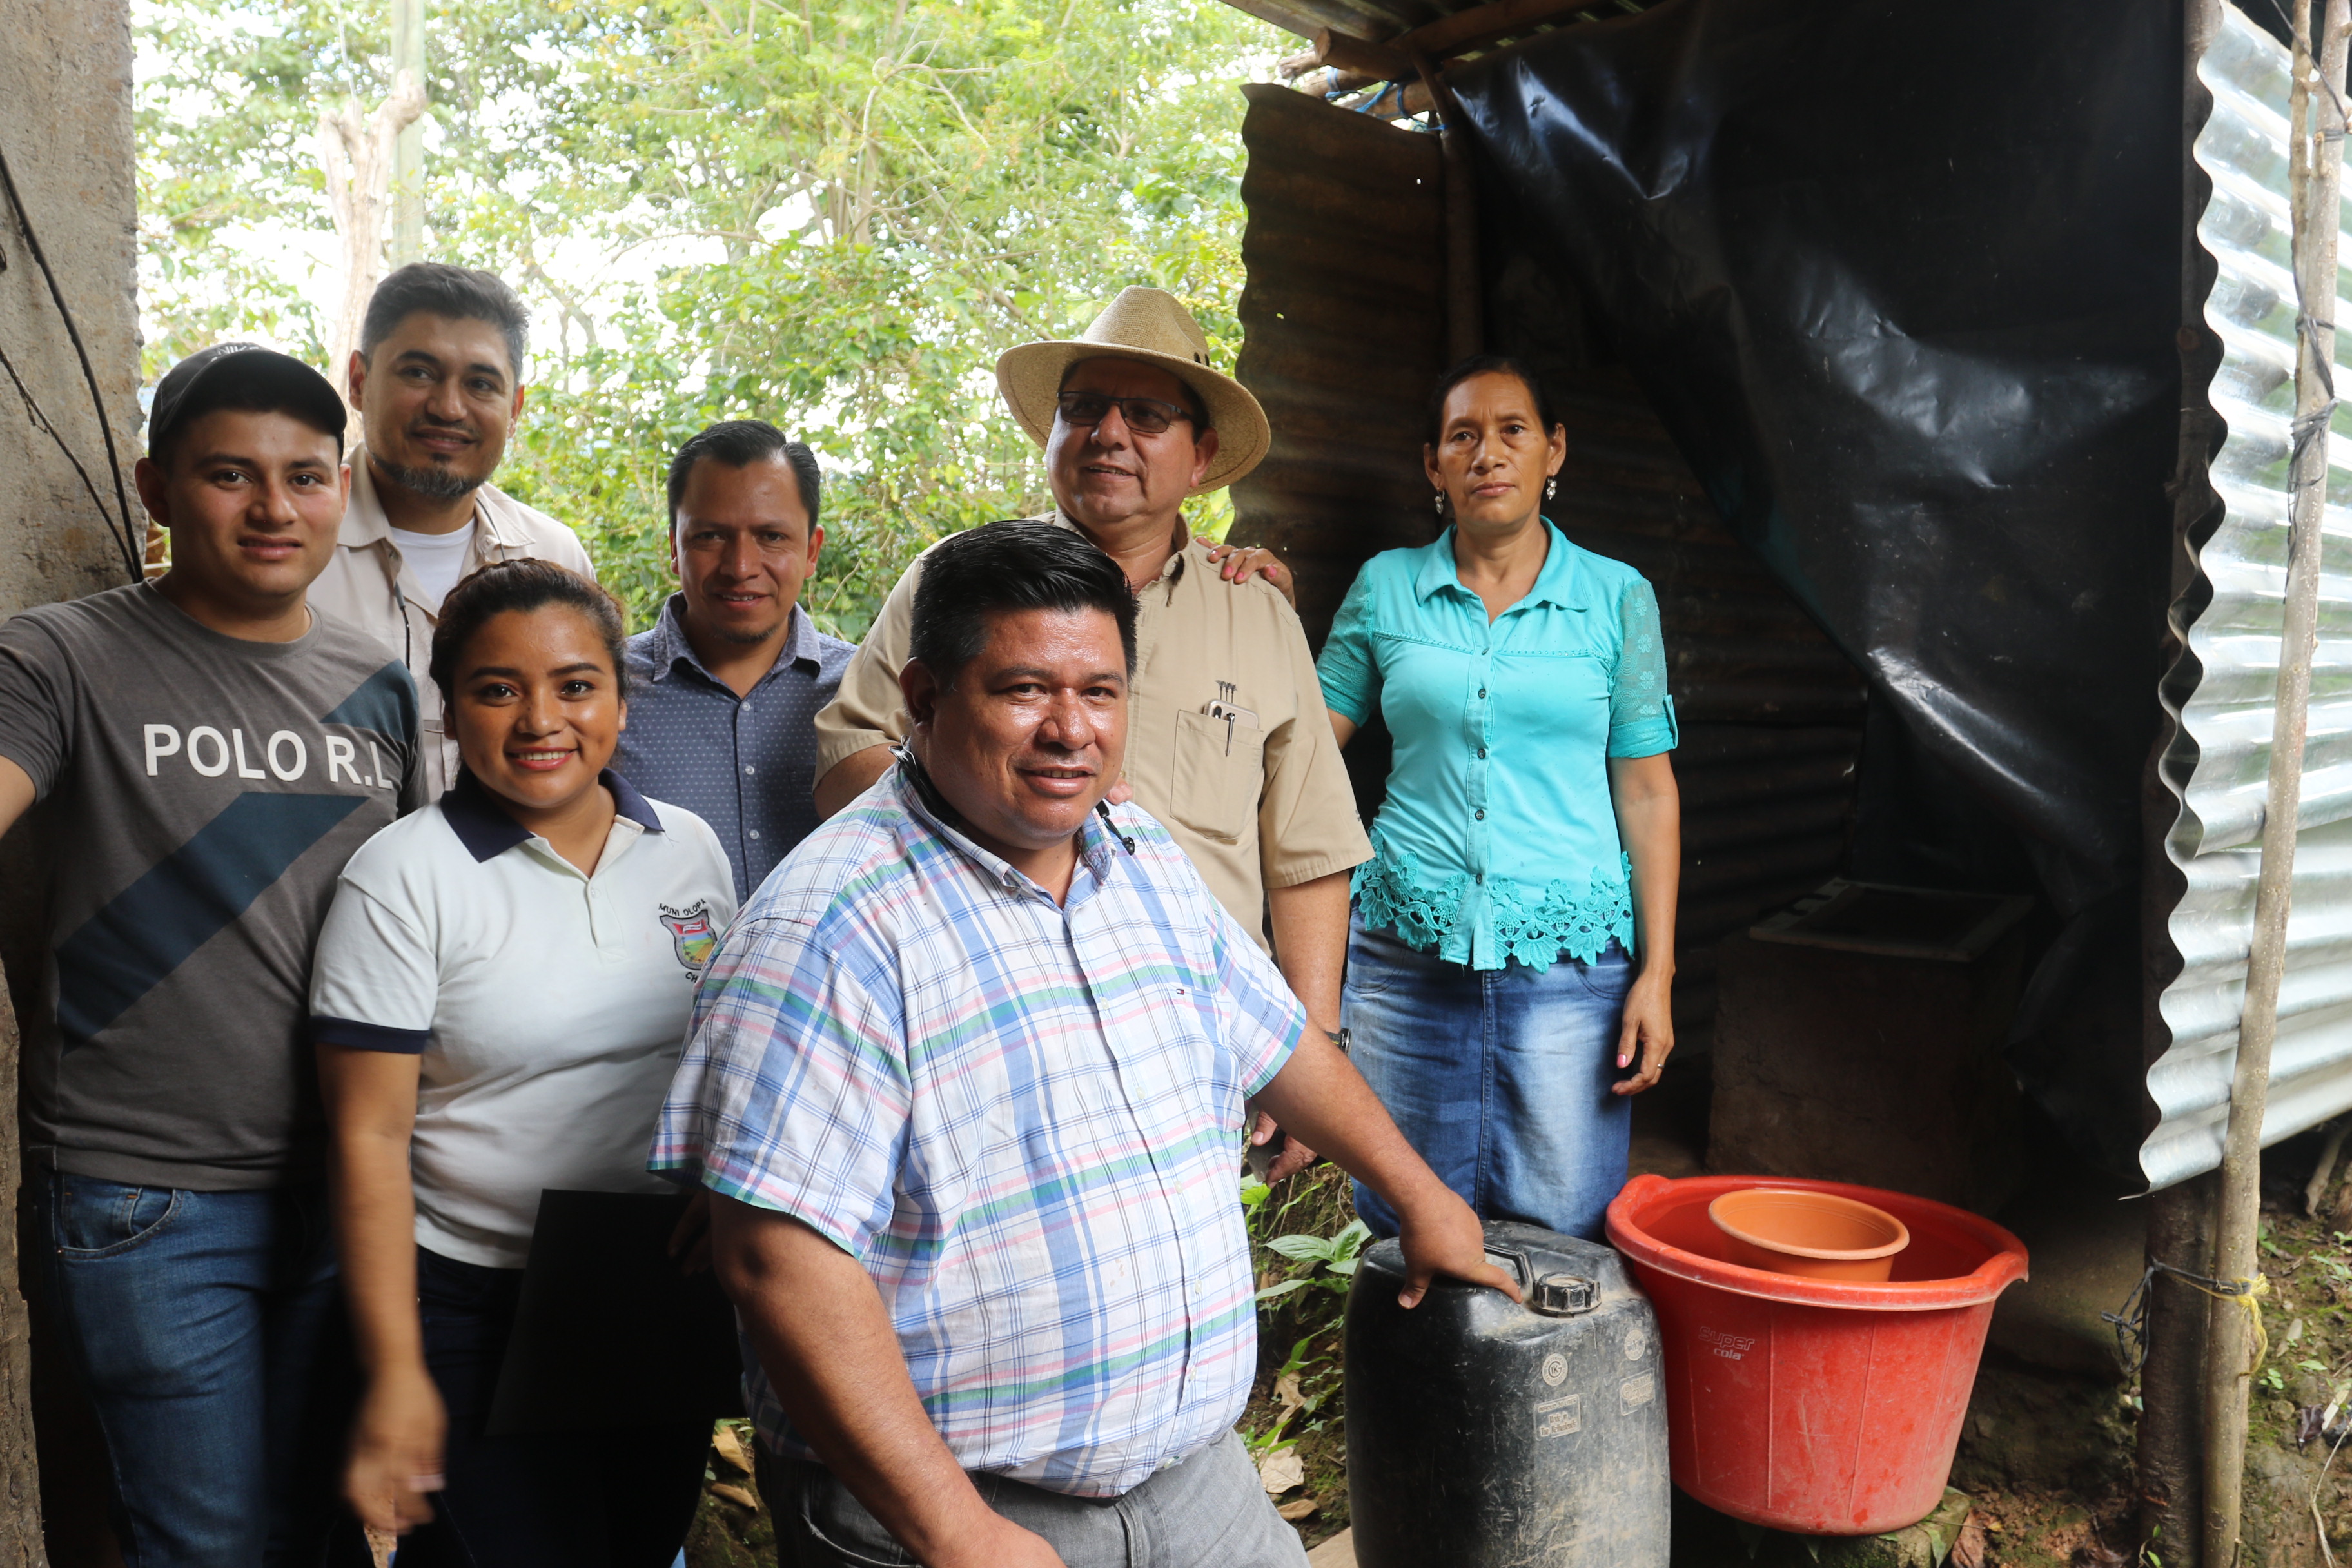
(622, 1498)
(209, 1333)
(1499, 1078)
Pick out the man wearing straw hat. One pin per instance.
(1229, 745)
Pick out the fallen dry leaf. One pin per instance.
(1968, 1546)
(728, 1492)
(730, 1448)
(1298, 1507)
(2095, 1555)
(1286, 1391)
(1282, 1471)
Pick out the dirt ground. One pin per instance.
(731, 1529)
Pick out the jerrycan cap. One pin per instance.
(1561, 1296)
(1555, 1295)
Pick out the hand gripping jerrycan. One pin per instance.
(1483, 1433)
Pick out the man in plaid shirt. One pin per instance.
(967, 1080)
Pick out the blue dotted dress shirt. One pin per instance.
(747, 765)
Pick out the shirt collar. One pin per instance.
(485, 830)
(1180, 543)
(364, 522)
(670, 646)
(1555, 585)
(917, 794)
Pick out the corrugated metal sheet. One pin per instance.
(2222, 694)
(1770, 711)
(1343, 330)
(1343, 326)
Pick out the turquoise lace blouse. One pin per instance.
(1497, 840)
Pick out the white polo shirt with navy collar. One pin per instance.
(549, 1005)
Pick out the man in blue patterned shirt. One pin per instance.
(724, 690)
(966, 1079)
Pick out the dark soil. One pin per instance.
(731, 1528)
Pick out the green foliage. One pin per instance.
(1305, 1242)
(1333, 1257)
(1303, 1385)
(833, 217)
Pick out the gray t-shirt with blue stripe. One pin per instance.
(200, 793)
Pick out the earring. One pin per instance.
(1439, 500)
(1551, 489)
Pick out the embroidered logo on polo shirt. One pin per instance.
(691, 934)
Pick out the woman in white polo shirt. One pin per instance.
(499, 1001)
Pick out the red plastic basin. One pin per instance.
(1823, 1406)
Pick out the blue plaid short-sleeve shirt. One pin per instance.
(1023, 1118)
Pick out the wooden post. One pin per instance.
(1465, 305)
(2169, 1437)
(2172, 1377)
(2316, 127)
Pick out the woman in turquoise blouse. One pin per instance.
(1512, 948)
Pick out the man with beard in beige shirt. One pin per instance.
(437, 378)
(1229, 744)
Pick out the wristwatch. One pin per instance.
(1342, 1040)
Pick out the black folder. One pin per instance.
(609, 1332)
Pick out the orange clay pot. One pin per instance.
(1811, 1235)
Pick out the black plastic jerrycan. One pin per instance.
(1482, 1433)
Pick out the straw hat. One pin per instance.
(1149, 326)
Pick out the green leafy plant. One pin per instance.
(1300, 1388)
(1334, 1259)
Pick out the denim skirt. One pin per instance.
(1499, 1078)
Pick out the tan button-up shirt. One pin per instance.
(1255, 806)
(369, 586)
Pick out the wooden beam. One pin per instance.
(1328, 81)
(1289, 18)
(1484, 24)
(1353, 62)
(1349, 53)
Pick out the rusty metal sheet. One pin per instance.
(1343, 316)
(2222, 694)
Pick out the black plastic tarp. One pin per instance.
(1903, 280)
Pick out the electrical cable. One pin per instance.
(2131, 1323)
(41, 422)
(120, 521)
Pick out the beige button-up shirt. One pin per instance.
(1255, 806)
(369, 586)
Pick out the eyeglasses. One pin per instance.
(1144, 416)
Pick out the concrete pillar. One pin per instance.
(65, 134)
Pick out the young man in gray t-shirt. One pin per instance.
(205, 754)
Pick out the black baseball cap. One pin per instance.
(238, 375)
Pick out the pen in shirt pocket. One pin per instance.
(1220, 708)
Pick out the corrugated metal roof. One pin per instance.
(1344, 332)
(2220, 757)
